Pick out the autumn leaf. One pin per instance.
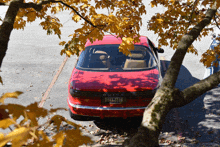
(59, 137)
(31, 16)
(69, 53)
(5, 123)
(172, 1)
(43, 140)
(10, 95)
(4, 114)
(62, 43)
(76, 18)
(17, 137)
(2, 140)
(160, 20)
(56, 109)
(56, 120)
(153, 4)
(34, 108)
(14, 109)
(74, 136)
(33, 118)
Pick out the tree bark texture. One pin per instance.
(167, 96)
(7, 27)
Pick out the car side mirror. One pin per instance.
(160, 50)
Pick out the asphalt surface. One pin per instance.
(33, 60)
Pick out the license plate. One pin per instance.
(114, 100)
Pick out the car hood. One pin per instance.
(115, 81)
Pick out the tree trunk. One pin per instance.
(154, 117)
(7, 27)
(167, 97)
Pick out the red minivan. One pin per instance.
(106, 83)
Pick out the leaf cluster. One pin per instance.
(27, 129)
(123, 20)
(211, 57)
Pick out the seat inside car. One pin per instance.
(136, 61)
(99, 59)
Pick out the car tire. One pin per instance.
(79, 117)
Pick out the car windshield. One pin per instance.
(108, 58)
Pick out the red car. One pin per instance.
(106, 83)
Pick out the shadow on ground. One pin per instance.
(199, 121)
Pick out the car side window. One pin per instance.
(82, 61)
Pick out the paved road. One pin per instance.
(33, 60)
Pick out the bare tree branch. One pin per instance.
(199, 88)
(216, 22)
(77, 13)
(38, 7)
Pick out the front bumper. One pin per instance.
(102, 112)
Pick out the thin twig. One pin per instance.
(216, 22)
(77, 13)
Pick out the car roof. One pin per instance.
(110, 39)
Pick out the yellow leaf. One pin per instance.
(69, 53)
(152, 5)
(17, 137)
(10, 95)
(39, 112)
(20, 136)
(55, 10)
(59, 137)
(128, 40)
(62, 52)
(44, 136)
(74, 136)
(5, 123)
(14, 109)
(56, 109)
(56, 120)
(2, 140)
(32, 117)
(172, 1)
(31, 16)
(76, 18)
(85, 6)
(62, 43)
(160, 20)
